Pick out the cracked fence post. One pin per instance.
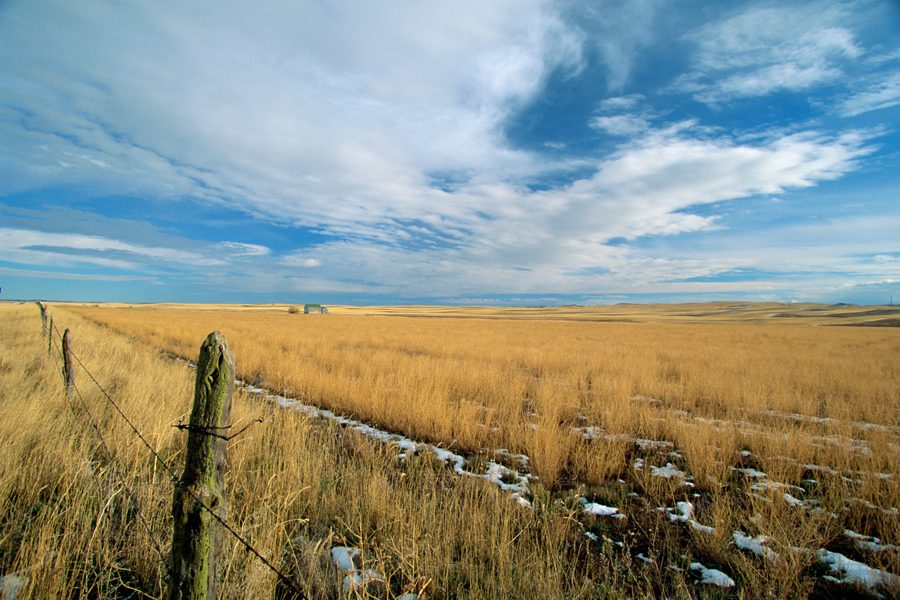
(68, 365)
(197, 534)
(43, 318)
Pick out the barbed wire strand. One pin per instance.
(117, 470)
(249, 547)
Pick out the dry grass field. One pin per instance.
(754, 446)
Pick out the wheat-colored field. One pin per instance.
(767, 425)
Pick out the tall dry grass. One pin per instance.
(711, 389)
(489, 383)
(295, 487)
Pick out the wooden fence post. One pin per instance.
(50, 336)
(68, 365)
(43, 318)
(196, 536)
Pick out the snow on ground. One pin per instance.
(344, 557)
(852, 571)
(868, 542)
(12, 585)
(754, 545)
(710, 576)
(683, 512)
(645, 444)
(863, 425)
(360, 579)
(505, 478)
(792, 501)
(599, 510)
(751, 473)
(670, 471)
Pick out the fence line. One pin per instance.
(116, 468)
(65, 348)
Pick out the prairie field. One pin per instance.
(708, 450)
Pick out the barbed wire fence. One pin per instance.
(66, 359)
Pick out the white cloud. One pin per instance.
(241, 249)
(295, 260)
(556, 241)
(617, 103)
(768, 49)
(64, 275)
(622, 125)
(38, 247)
(883, 94)
(337, 117)
(618, 30)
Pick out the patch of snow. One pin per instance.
(11, 586)
(359, 579)
(820, 469)
(506, 479)
(868, 542)
(669, 471)
(638, 464)
(591, 536)
(683, 512)
(754, 545)
(751, 473)
(600, 510)
(852, 571)
(793, 502)
(646, 559)
(343, 557)
(710, 576)
(646, 444)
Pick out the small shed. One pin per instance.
(314, 309)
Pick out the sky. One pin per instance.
(408, 152)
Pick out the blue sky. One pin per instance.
(497, 152)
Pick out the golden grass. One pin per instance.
(70, 529)
(714, 380)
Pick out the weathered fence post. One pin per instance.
(43, 318)
(50, 336)
(68, 365)
(196, 535)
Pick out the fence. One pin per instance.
(197, 526)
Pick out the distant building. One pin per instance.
(314, 309)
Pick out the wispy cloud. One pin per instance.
(373, 142)
(877, 96)
(768, 49)
(37, 247)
